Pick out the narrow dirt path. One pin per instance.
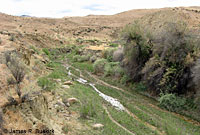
(145, 123)
(177, 115)
(111, 118)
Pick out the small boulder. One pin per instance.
(65, 101)
(58, 80)
(72, 100)
(65, 86)
(98, 126)
(68, 83)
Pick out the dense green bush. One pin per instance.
(124, 79)
(108, 54)
(113, 69)
(99, 65)
(171, 102)
(137, 50)
(163, 61)
(78, 58)
(84, 58)
(140, 87)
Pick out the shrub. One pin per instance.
(84, 58)
(11, 81)
(76, 58)
(171, 102)
(137, 50)
(118, 55)
(34, 49)
(113, 69)
(17, 69)
(162, 60)
(1, 120)
(141, 87)
(124, 79)
(118, 71)
(66, 129)
(0, 41)
(12, 38)
(99, 65)
(172, 59)
(108, 54)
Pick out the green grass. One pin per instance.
(90, 106)
(45, 83)
(84, 66)
(160, 119)
(83, 93)
(130, 123)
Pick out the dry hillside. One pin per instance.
(22, 35)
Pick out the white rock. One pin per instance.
(58, 80)
(68, 83)
(81, 80)
(72, 100)
(65, 86)
(98, 126)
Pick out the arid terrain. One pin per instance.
(41, 60)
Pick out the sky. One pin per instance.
(62, 8)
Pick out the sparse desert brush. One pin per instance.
(12, 38)
(11, 81)
(108, 54)
(1, 119)
(0, 40)
(17, 69)
(34, 49)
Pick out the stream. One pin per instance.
(113, 101)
